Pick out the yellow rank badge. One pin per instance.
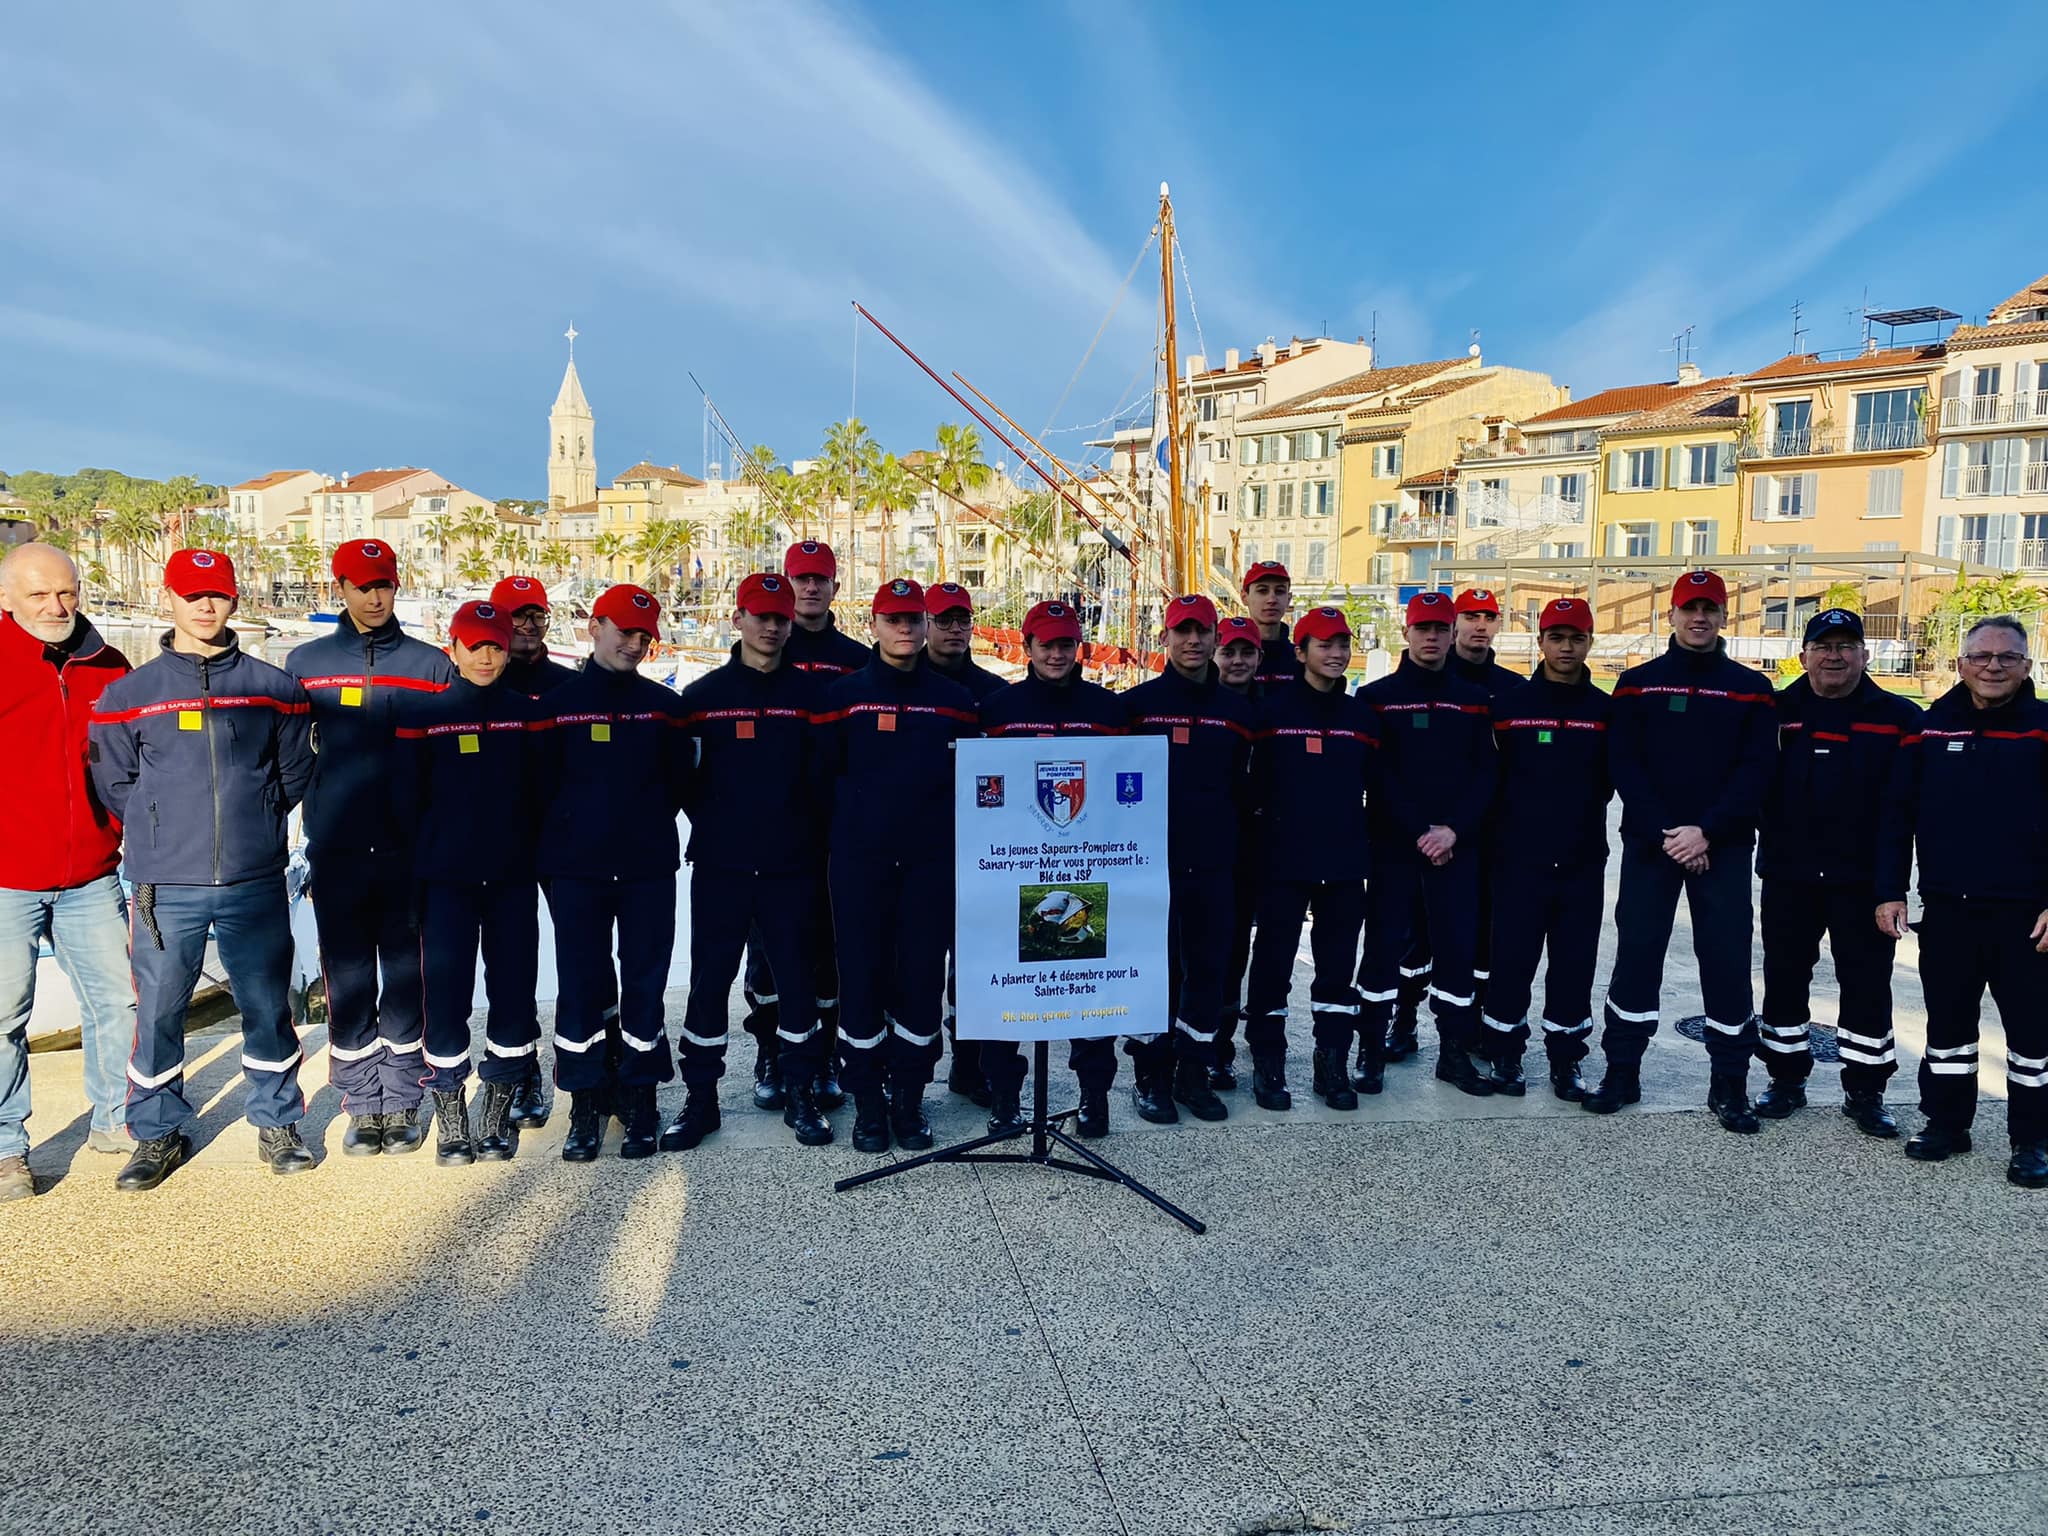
(352, 697)
(466, 744)
(190, 720)
(601, 731)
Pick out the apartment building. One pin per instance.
(1668, 478)
(347, 508)
(1987, 501)
(262, 508)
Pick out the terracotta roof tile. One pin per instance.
(1429, 478)
(1624, 401)
(265, 482)
(646, 471)
(2033, 296)
(1972, 338)
(1802, 365)
(1251, 362)
(369, 480)
(1358, 387)
(1712, 404)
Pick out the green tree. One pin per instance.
(957, 469)
(440, 530)
(474, 567)
(608, 547)
(477, 525)
(1970, 600)
(849, 455)
(554, 558)
(891, 491)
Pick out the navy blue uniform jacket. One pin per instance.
(354, 681)
(1835, 758)
(1033, 707)
(1315, 764)
(1551, 812)
(972, 676)
(614, 772)
(886, 742)
(755, 795)
(536, 678)
(202, 758)
(470, 762)
(1278, 664)
(1693, 742)
(828, 652)
(1437, 763)
(1208, 730)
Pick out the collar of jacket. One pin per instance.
(368, 641)
(886, 676)
(187, 662)
(1422, 676)
(1800, 694)
(1475, 671)
(83, 642)
(1958, 701)
(1175, 679)
(1693, 658)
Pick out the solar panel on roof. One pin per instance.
(1924, 316)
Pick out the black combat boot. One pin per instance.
(153, 1161)
(1454, 1066)
(282, 1149)
(964, 1075)
(586, 1126)
(1331, 1078)
(1622, 1085)
(697, 1119)
(825, 1087)
(1566, 1083)
(1269, 1081)
(1371, 1076)
(642, 1118)
(529, 1102)
(767, 1074)
(1728, 1098)
(1401, 1040)
(1937, 1143)
(1151, 1091)
(907, 1120)
(801, 1114)
(364, 1136)
(403, 1131)
(1192, 1088)
(1780, 1098)
(2029, 1166)
(1505, 1073)
(1005, 1114)
(452, 1146)
(871, 1121)
(1093, 1120)
(1871, 1117)
(497, 1133)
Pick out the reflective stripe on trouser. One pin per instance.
(1335, 910)
(1966, 948)
(1199, 921)
(1722, 942)
(586, 913)
(458, 920)
(251, 925)
(1539, 909)
(1405, 889)
(1795, 914)
(765, 992)
(363, 908)
(725, 906)
(1244, 909)
(894, 924)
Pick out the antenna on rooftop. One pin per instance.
(1798, 330)
(1681, 344)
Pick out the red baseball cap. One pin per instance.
(481, 624)
(810, 557)
(517, 592)
(1265, 570)
(1321, 624)
(899, 596)
(200, 573)
(1694, 585)
(1431, 608)
(630, 607)
(762, 593)
(945, 596)
(1237, 629)
(362, 561)
(1052, 621)
(1566, 613)
(1476, 600)
(1191, 609)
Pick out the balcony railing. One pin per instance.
(1433, 526)
(1975, 480)
(2037, 478)
(1868, 437)
(1530, 512)
(2022, 409)
(2033, 554)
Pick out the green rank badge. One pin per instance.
(1678, 704)
(1544, 737)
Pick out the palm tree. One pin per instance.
(1029, 526)
(554, 557)
(474, 567)
(608, 547)
(752, 533)
(957, 467)
(136, 531)
(850, 453)
(440, 532)
(476, 525)
(891, 489)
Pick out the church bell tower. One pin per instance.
(572, 441)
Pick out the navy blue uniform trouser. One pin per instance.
(894, 923)
(726, 906)
(1200, 923)
(586, 914)
(363, 907)
(821, 965)
(1417, 963)
(1539, 908)
(1722, 942)
(251, 925)
(1244, 911)
(1965, 947)
(500, 919)
(1337, 908)
(1407, 889)
(1794, 916)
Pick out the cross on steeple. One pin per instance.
(571, 334)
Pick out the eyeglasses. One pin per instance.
(953, 618)
(1837, 647)
(1991, 659)
(530, 619)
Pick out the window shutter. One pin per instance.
(1677, 536)
(1675, 475)
(2023, 383)
(1759, 498)
(2007, 543)
(1713, 538)
(1656, 468)
(1951, 469)
(1809, 495)
(1725, 462)
(1945, 538)
(1549, 486)
(1616, 462)
(2003, 480)
(1613, 539)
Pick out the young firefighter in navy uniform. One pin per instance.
(753, 803)
(475, 796)
(202, 753)
(1476, 622)
(1237, 671)
(1267, 591)
(1970, 798)
(820, 649)
(1313, 769)
(1208, 730)
(360, 849)
(614, 772)
(1437, 772)
(1839, 736)
(1053, 699)
(1549, 854)
(1692, 743)
(887, 734)
(949, 651)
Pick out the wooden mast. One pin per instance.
(1181, 579)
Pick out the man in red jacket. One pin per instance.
(58, 851)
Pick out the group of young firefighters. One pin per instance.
(1438, 831)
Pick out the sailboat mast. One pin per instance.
(1182, 578)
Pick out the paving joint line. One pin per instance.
(1038, 1320)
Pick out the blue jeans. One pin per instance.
(88, 927)
(251, 924)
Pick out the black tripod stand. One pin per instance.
(1043, 1129)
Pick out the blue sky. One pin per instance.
(237, 237)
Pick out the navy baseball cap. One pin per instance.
(1830, 619)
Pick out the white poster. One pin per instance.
(1060, 902)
